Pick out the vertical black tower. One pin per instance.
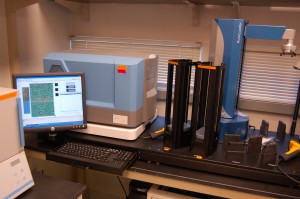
(177, 129)
(201, 133)
(206, 108)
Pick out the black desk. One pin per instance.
(176, 176)
(52, 188)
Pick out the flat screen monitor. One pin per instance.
(51, 102)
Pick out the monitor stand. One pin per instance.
(116, 132)
(50, 138)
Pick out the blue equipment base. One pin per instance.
(237, 125)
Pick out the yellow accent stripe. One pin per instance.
(159, 131)
(293, 146)
(173, 62)
(8, 95)
(207, 67)
(167, 148)
(198, 157)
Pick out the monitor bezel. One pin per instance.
(50, 129)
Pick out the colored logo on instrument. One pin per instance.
(122, 69)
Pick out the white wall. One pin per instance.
(41, 28)
(171, 22)
(45, 26)
(5, 80)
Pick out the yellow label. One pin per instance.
(122, 67)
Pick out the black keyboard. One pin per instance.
(94, 157)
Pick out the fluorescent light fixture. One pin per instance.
(286, 9)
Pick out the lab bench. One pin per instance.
(176, 174)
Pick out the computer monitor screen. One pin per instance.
(51, 102)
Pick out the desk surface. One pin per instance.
(48, 188)
(186, 178)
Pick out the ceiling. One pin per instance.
(266, 3)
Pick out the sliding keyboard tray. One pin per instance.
(92, 156)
